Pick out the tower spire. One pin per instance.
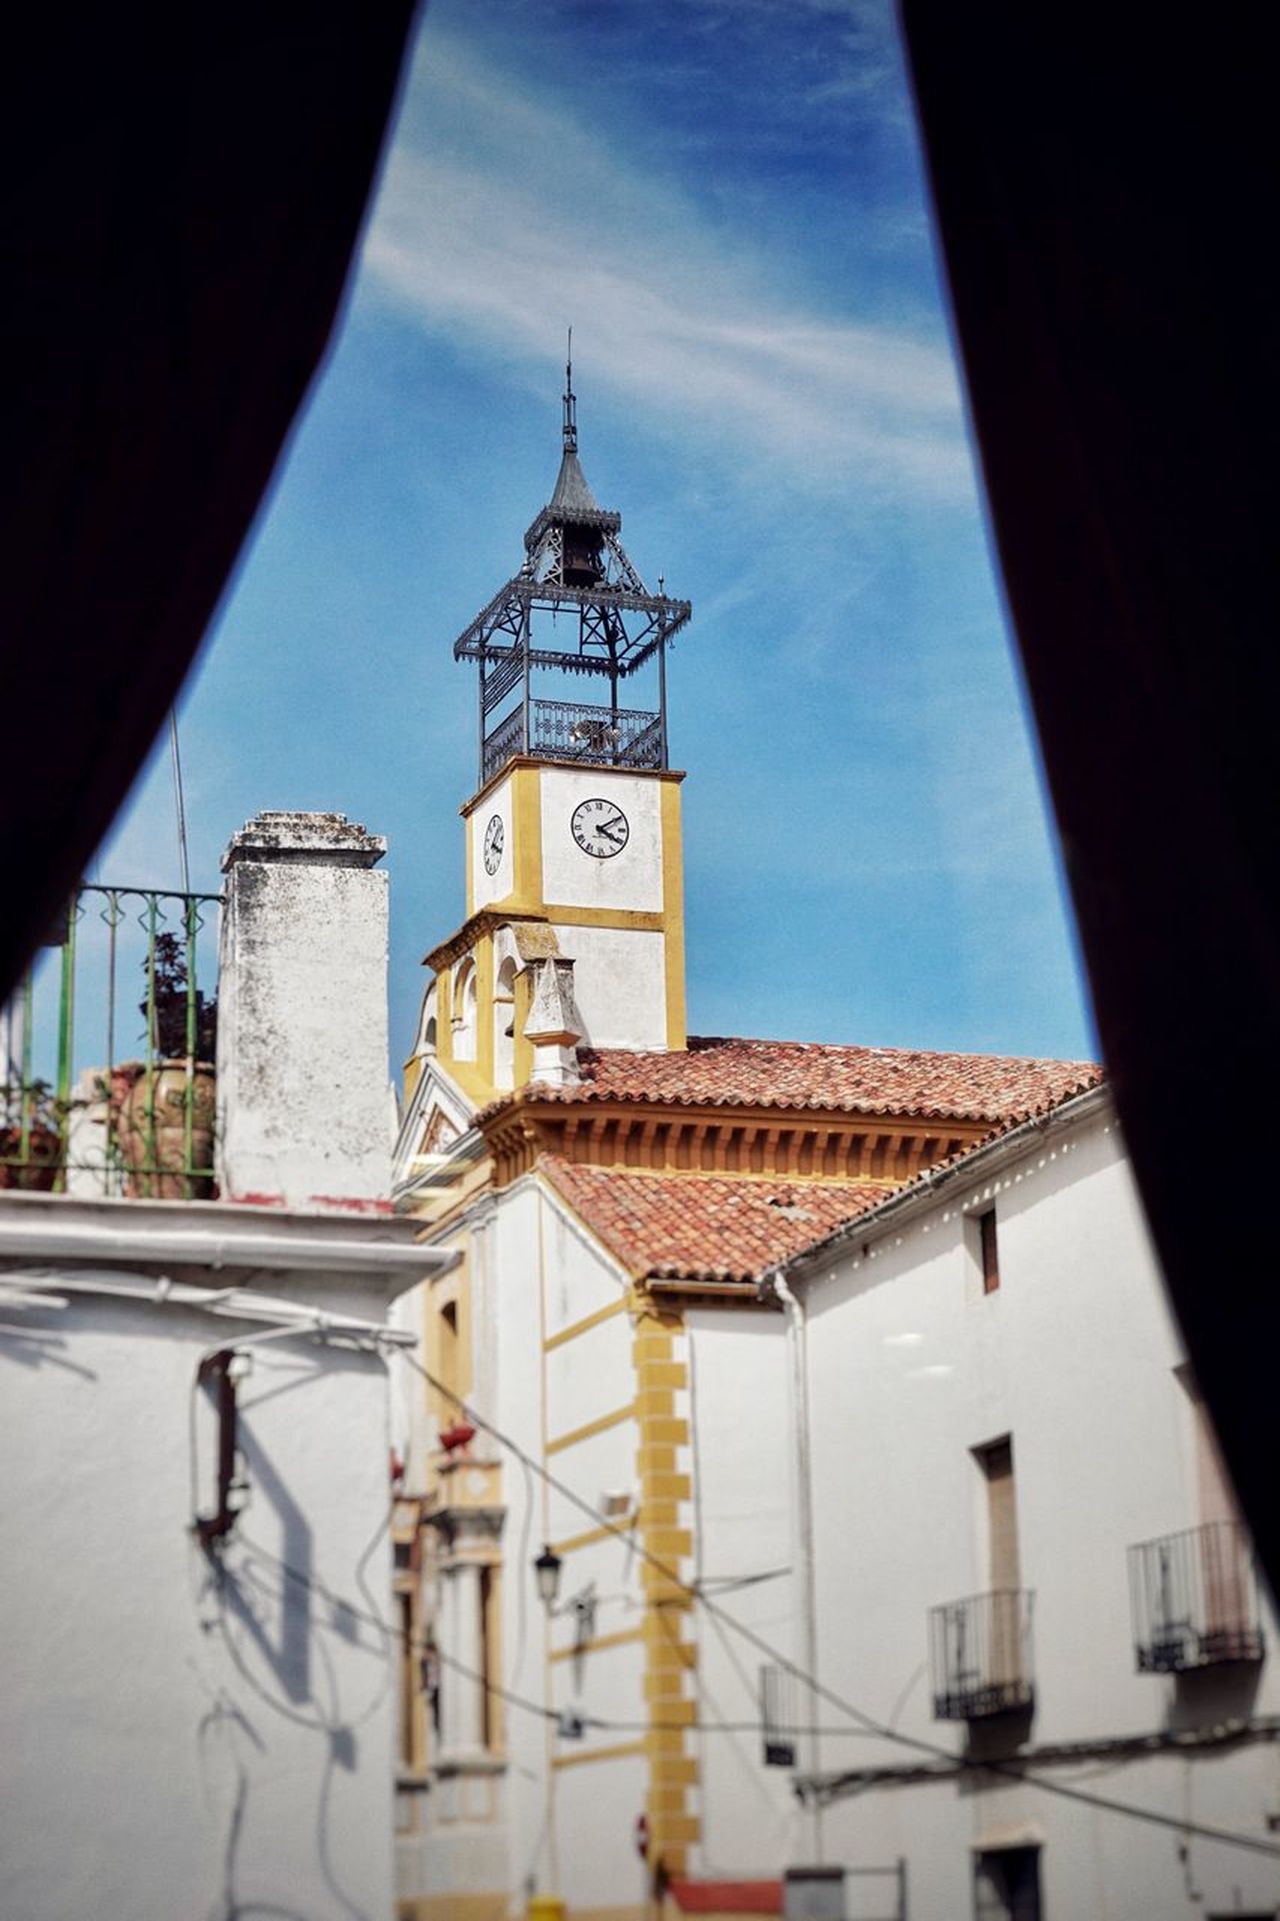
(570, 403)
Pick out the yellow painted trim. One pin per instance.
(635, 919)
(665, 1373)
(681, 1771)
(453, 1907)
(670, 1544)
(412, 1075)
(484, 1008)
(673, 916)
(631, 1913)
(444, 1015)
(667, 1486)
(526, 833)
(624, 1637)
(584, 1326)
(674, 1827)
(522, 1071)
(519, 761)
(588, 1428)
(589, 1538)
(523, 906)
(471, 1081)
(620, 1751)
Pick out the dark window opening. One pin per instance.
(1006, 1885)
(988, 1253)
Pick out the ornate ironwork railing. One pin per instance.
(107, 1050)
(1195, 1599)
(576, 731)
(980, 1655)
(506, 739)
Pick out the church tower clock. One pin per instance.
(574, 932)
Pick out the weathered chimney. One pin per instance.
(302, 1015)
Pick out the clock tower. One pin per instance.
(574, 929)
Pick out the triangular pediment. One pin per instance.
(436, 1119)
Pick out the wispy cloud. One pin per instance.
(670, 314)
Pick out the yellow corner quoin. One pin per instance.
(673, 915)
(662, 1467)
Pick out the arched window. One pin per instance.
(427, 1024)
(464, 1012)
(504, 1024)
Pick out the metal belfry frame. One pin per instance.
(575, 566)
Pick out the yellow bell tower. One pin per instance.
(574, 929)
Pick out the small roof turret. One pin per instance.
(572, 495)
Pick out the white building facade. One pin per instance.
(202, 1659)
(1024, 1552)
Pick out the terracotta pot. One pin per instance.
(38, 1172)
(149, 1111)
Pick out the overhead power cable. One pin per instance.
(180, 806)
(1007, 1770)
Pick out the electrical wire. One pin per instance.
(178, 801)
(1198, 1830)
(866, 1722)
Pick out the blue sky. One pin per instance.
(725, 199)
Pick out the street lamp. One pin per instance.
(547, 1572)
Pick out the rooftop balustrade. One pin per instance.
(107, 1050)
(573, 730)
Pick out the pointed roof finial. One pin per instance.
(570, 404)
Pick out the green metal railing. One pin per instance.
(107, 1050)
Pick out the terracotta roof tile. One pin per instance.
(856, 1080)
(704, 1227)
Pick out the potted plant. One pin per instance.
(31, 1136)
(163, 1113)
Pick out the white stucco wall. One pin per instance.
(174, 1740)
(619, 984)
(535, 1274)
(497, 804)
(743, 1457)
(910, 1368)
(629, 879)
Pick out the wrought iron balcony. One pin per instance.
(980, 1655)
(107, 1051)
(576, 731)
(1195, 1599)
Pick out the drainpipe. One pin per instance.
(804, 1511)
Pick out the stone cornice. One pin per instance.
(485, 920)
(771, 1142)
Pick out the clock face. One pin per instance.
(494, 838)
(599, 828)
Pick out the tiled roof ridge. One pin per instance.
(584, 1187)
(960, 1086)
(820, 1077)
(928, 1178)
(699, 1043)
